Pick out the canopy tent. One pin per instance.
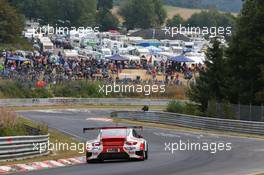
(17, 58)
(132, 57)
(180, 58)
(148, 43)
(117, 57)
(196, 57)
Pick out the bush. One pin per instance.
(183, 108)
(14, 89)
(79, 89)
(40, 93)
(220, 110)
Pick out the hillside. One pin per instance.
(222, 5)
(171, 11)
(185, 13)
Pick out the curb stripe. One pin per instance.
(56, 163)
(36, 166)
(49, 164)
(41, 165)
(4, 169)
(75, 160)
(64, 161)
(25, 167)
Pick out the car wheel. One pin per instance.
(146, 155)
(87, 156)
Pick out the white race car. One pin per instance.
(116, 143)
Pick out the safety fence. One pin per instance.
(96, 101)
(22, 147)
(239, 126)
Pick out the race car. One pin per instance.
(116, 143)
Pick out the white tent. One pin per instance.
(47, 45)
(70, 53)
(196, 57)
(132, 57)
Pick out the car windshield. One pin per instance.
(114, 132)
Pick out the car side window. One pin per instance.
(135, 134)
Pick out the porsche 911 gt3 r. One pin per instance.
(116, 143)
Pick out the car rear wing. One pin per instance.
(112, 127)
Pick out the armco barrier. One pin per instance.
(96, 101)
(22, 147)
(193, 121)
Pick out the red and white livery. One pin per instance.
(116, 143)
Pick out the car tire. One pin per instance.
(146, 155)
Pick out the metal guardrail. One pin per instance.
(22, 147)
(247, 127)
(98, 101)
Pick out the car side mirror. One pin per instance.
(140, 136)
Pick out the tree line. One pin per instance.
(209, 18)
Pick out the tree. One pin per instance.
(211, 18)
(107, 20)
(246, 55)
(175, 21)
(11, 23)
(143, 14)
(211, 81)
(79, 13)
(104, 4)
(160, 13)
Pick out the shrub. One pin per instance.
(183, 108)
(78, 89)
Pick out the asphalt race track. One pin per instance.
(246, 156)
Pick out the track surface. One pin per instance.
(246, 156)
